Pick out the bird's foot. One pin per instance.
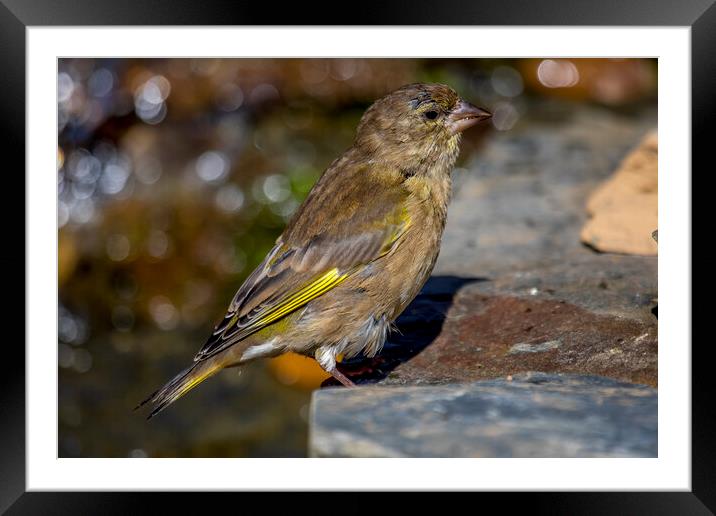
(341, 378)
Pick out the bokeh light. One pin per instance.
(557, 73)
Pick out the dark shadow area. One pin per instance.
(417, 328)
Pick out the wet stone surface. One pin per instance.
(515, 291)
(531, 415)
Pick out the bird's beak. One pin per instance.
(466, 115)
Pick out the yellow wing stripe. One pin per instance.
(193, 382)
(311, 291)
(320, 285)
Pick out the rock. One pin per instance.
(532, 415)
(537, 347)
(624, 209)
(575, 318)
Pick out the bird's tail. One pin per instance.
(179, 386)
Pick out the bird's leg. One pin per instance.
(326, 358)
(341, 377)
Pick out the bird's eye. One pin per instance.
(431, 115)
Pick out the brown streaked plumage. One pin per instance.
(358, 249)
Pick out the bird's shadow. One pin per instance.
(417, 327)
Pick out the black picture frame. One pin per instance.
(17, 15)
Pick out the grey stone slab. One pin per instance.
(519, 203)
(530, 415)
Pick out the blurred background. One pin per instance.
(175, 176)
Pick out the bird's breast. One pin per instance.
(397, 279)
(417, 256)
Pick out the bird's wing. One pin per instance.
(335, 233)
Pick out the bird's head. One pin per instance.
(417, 124)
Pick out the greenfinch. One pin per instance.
(356, 252)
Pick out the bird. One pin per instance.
(356, 251)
